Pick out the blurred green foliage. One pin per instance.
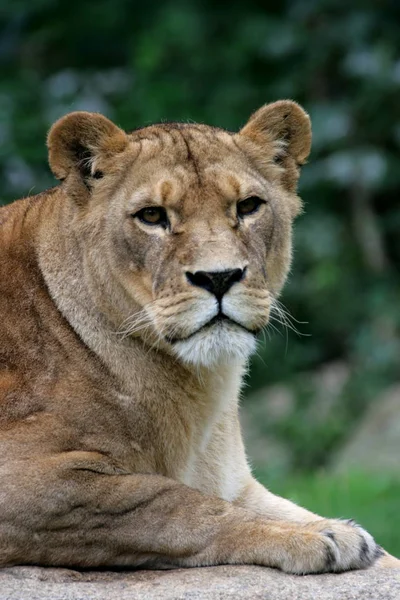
(216, 62)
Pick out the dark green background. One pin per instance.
(216, 62)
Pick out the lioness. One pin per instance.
(130, 300)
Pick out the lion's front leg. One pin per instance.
(257, 498)
(75, 509)
(353, 542)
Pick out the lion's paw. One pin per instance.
(329, 545)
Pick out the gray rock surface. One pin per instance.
(33, 583)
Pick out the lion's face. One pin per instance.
(192, 224)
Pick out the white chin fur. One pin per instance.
(219, 344)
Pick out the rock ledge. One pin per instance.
(244, 582)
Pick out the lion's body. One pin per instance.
(56, 394)
(119, 385)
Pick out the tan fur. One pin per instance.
(120, 441)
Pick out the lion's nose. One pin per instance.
(218, 282)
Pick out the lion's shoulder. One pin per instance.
(19, 218)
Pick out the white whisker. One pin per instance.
(284, 318)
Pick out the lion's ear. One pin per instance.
(80, 144)
(282, 131)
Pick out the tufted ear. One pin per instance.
(281, 132)
(79, 145)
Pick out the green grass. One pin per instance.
(373, 501)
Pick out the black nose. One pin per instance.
(218, 283)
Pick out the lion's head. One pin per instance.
(186, 228)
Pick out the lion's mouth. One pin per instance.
(219, 318)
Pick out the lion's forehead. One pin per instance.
(202, 139)
(175, 166)
(178, 187)
(192, 147)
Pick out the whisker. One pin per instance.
(284, 318)
(260, 356)
(273, 327)
(287, 325)
(280, 306)
(180, 299)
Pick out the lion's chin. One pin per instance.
(220, 344)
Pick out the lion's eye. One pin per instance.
(249, 206)
(153, 215)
